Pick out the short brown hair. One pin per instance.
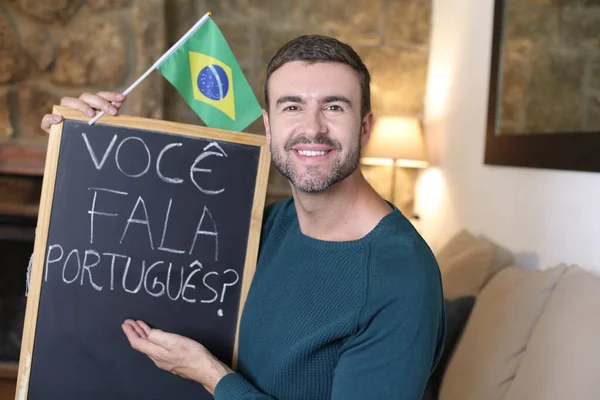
(318, 48)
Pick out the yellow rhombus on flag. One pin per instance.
(206, 74)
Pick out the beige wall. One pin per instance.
(544, 216)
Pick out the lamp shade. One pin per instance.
(396, 139)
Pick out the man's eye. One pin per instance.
(291, 108)
(334, 107)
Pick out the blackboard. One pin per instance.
(139, 219)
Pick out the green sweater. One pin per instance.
(362, 319)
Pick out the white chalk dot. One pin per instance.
(220, 313)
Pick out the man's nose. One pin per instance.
(314, 123)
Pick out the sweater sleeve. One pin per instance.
(400, 333)
(236, 387)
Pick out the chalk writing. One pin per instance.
(201, 157)
(201, 231)
(178, 282)
(135, 218)
(160, 156)
(144, 221)
(148, 162)
(93, 211)
(93, 155)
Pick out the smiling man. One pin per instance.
(346, 302)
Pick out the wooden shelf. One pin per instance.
(26, 210)
(22, 158)
(18, 222)
(9, 369)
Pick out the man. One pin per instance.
(346, 302)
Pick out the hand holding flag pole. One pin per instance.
(158, 62)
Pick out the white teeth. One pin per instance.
(311, 153)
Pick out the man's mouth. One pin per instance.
(312, 153)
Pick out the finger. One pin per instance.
(112, 96)
(79, 105)
(98, 103)
(144, 326)
(50, 119)
(142, 344)
(144, 331)
(131, 334)
(138, 329)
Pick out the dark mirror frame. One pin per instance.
(576, 151)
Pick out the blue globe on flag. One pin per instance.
(212, 82)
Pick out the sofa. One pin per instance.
(515, 334)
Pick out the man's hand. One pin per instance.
(177, 354)
(87, 104)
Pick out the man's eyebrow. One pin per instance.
(326, 99)
(334, 98)
(289, 99)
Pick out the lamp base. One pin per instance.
(397, 185)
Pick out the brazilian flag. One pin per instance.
(206, 74)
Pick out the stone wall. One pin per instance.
(551, 67)
(55, 48)
(392, 37)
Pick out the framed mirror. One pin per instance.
(544, 97)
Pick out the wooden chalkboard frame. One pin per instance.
(45, 210)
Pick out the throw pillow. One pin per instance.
(457, 314)
(502, 256)
(466, 265)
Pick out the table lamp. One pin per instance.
(395, 142)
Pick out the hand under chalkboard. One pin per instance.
(176, 354)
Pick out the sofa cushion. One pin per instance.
(466, 265)
(457, 314)
(491, 348)
(502, 256)
(562, 360)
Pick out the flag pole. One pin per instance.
(158, 62)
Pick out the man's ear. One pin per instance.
(367, 125)
(265, 116)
